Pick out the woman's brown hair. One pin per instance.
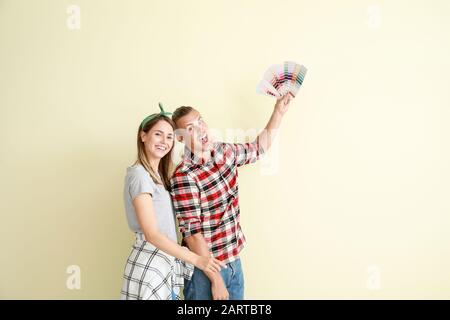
(165, 164)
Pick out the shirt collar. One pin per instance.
(191, 158)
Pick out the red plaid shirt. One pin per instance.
(205, 196)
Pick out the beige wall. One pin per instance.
(354, 202)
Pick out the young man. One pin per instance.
(205, 198)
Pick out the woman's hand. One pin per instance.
(209, 264)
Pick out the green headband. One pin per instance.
(153, 116)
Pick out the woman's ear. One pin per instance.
(180, 138)
(143, 136)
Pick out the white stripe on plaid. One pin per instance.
(151, 274)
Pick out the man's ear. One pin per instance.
(179, 134)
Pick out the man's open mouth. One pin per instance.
(204, 139)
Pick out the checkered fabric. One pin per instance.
(151, 274)
(205, 196)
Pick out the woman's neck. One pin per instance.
(154, 163)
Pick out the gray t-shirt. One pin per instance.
(138, 181)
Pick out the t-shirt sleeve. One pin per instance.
(140, 183)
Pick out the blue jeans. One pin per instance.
(199, 287)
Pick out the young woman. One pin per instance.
(157, 265)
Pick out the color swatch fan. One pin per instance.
(281, 79)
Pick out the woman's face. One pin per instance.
(158, 140)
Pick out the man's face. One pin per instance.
(193, 132)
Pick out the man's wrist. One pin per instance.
(277, 111)
(215, 277)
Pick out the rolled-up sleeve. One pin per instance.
(246, 153)
(186, 203)
(139, 183)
